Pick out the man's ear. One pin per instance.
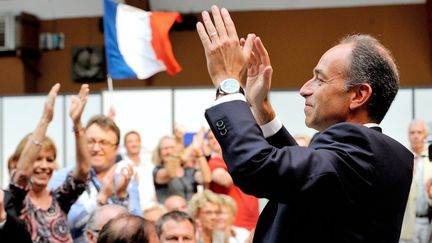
(361, 95)
(89, 236)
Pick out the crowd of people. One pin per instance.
(45, 203)
(349, 183)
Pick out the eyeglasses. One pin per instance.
(208, 212)
(102, 143)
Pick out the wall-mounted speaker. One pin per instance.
(88, 64)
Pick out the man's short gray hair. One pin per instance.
(373, 64)
(93, 221)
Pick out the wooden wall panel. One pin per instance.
(12, 79)
(295, 39)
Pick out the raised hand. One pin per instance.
(107, 186)
(259, 74)
(258, 83)
(123, 180)
(35, 141)
(429, 188)
(172, 164)
(225, 57)
(78, 103)
(48, 112)
(198, 140)
(112, 113)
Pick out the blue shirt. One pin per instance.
(86, 203)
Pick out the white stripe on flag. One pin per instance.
(134, 41)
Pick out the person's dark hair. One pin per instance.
(177, 216)
(126, 228)
(105, 123)
(129, 133)
(372, 63)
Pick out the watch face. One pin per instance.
(230, 86)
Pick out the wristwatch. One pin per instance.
(229, 86)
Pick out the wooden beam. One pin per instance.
(142, 4)
(429, 22)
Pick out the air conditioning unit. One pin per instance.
(7, 31)
(18, 30)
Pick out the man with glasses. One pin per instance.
(106, 186)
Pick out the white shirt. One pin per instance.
(2, 223)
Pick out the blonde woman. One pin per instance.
(172, 176)
(205, 208)
(43, 211)
(227, 215)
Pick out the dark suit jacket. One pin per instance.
(14, 229)
(351, 185)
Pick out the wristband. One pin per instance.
(77, 131)
(36, 142)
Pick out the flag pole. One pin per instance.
(110, 97)
(110, 84)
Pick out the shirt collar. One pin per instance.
(371, 124)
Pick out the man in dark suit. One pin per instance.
(351, 184)
(12, 229)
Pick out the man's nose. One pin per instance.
(96, 146)
(306, 89)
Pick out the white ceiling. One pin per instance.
(52, 9)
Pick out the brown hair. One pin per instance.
(129, 133)
(126, 228)
(156, 156)
(47, 142)
(177, 216)
(105, 123)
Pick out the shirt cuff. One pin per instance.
(271, 128)
(229, 97)
(2, 223)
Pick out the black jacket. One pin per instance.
(14, 229)
(350, 185)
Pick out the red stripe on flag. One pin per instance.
(160, 23)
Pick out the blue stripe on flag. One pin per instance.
(117, 67)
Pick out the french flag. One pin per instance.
(137, 42)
